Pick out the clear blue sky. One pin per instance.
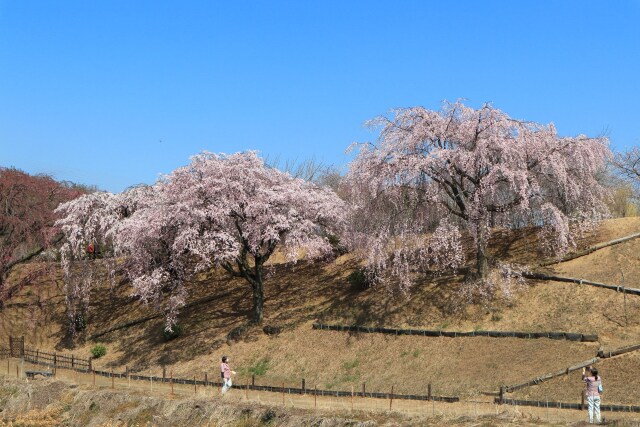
(114, 93)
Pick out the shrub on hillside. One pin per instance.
(173, 333)
(359, 280)
(98, 351)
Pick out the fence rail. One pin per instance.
(453, 334)
(617, 288)
(547, 377)
(279, 389)
(564, 405)
(606, 354)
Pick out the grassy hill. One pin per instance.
(298, 295)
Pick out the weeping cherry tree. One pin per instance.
(229, 211)
(463, 170)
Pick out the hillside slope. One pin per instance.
(298, 295)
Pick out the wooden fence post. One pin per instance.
(315, 396)
(282, 394)
(206, 381)
(72, 361)
(352, 397)
(303, 387)
(113, 381)
(171, 382)
(363, 389)
(253, 380)
(429, 391)
(195, 386)
(164, 372)
(582, 394)
(501, 399)
(90, 363)
(391, 398)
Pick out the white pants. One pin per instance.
(594, 406)
(226, 385)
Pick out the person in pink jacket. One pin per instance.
(225, 373)
(594, 387)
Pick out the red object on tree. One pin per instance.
(90, 248)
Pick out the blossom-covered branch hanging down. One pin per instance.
(461, 169)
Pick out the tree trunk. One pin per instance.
(258, 296)
(482, 263)
(258, 300)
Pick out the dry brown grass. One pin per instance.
(298, 295)
(85, 405)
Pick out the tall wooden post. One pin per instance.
(363, 389)
(113, 381)
(315, 397)
(253, 380)
(352, 397)
(304, 391)
(391, 399)
(429, 391)
(282, 394)
(171, 381)
(501, 399)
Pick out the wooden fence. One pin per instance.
(547, 377)
(61, 361)
(591, 250)
(453, 334)
(601, 355)
(564, 405)
(282, 389)
(606, 354)
(57, 360)
(617, 288)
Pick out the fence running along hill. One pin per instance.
(453, 334)
(617, 288)
(563, 405)
(547, 377)
(59, 361)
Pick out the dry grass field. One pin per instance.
(298, 295)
